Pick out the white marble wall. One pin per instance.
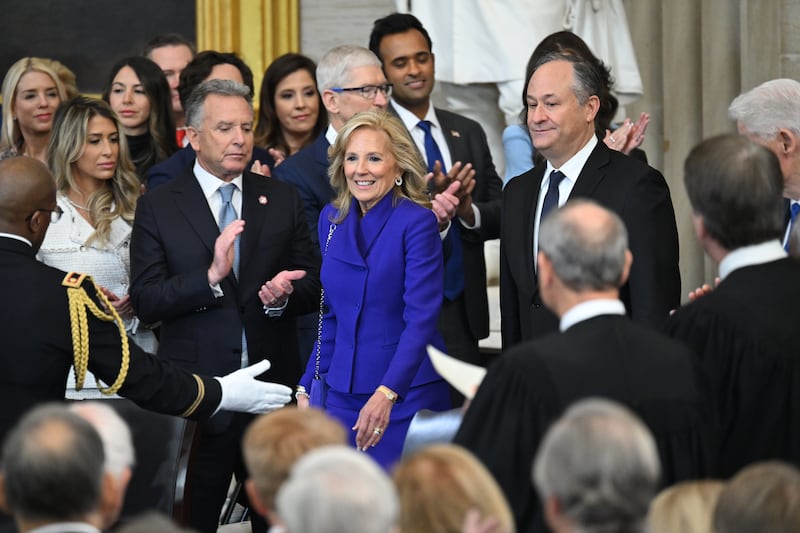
(328, 23)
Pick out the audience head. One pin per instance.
(32, 90)
(770, 115)
(583, 247)
(138, 93)
(762, 497)
(734, 186)
(275, 441)
(351, 81)
(568, 43)
(597, 469)
(213, 65)
(336, 489)
(687, 507)
(53, 468)
(439, 484)
(363, 136)
(562, 99)
(219, 116)
(118, 450)
(405, 49)
(152, 522)
(290, 105)
(171, 52)
(89, 155)
(27, 199)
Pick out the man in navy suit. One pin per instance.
(404, 47)
(562, 96)
(223, 297)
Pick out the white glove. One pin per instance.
(242, 392)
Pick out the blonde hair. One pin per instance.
(687, 507)
(439, 484)
(67, 144)
(402, 148)
(274, 442)
(10, 135)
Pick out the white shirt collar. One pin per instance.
(58, 527)
(16, 238)
(755, 254)
(590, 309)
(330, 134)
(411, 120)
(574, 165)
(209, 182)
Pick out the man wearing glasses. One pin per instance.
(455, 149)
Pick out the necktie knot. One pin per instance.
(425, 125)
(556, 177)
(794, 211)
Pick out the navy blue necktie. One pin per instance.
(551, 198)
(793, 212)
(453, 254)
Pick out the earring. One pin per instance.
(398, 180)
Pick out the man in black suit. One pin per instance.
(40, 317)
(562, 107)
(583, 261)
(405, 50)
(744, 332)
(223, 298)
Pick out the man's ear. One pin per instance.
(255, 500)
(788, 141)
(193, 135)
(626, 269)
(592, 107)
(544, 271)
(699, 226)
(329, 100)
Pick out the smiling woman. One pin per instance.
(139, 94)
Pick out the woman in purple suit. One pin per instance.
(383, 280)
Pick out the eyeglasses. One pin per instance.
(55, 214)
(367, 91)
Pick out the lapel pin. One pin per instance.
(455, 133)
(262, 200)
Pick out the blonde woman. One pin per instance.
(32, 90)
(439, 485)
(687, 507)
(97, 190)
(383, 280)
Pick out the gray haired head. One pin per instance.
(765, 109)
(586, 243)
(333, 70)
(600, 463)
(194, 105)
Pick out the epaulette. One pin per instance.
(73, 279)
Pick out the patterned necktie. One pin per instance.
(453, 254)
(793, 212)
(227, 214)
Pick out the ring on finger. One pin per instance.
(377, 431)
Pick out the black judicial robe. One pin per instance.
(609, 356)
(745, 333)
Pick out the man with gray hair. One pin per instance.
(583, 261)
(597, 470)
(770, 116)
(53, 472)
(336, 489)
(223, 259)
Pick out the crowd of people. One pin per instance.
(205, 259)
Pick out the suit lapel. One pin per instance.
(531, 201)
(593, 172)
(193, 205)
(455, 143)
(255, 206)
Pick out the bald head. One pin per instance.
(586, 244)
(27, 193)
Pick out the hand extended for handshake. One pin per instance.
(241, 391)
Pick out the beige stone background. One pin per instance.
(695, 56)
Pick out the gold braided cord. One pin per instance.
(79, 302)
(201, 392)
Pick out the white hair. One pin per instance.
(333, 70)
(763, 110)
(113, 431)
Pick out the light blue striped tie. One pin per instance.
(227, 214)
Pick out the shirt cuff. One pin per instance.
(216, 290)
(477, 213)
(275, 311)
(443, 233)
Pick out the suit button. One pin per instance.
(537, 306)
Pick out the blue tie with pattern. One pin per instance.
(453, 254)
(227, 214)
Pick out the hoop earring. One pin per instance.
(398, 181)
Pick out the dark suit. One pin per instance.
(183, 159)
(171, 249)
(639, 195)
(466, 319)
(610, 356)
(744, 333)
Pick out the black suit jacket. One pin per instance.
(37, 347)
(607, 356)
(466, 141)
(171, 249)
(639, 195)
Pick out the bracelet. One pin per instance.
(301, 391)
(390, 394)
